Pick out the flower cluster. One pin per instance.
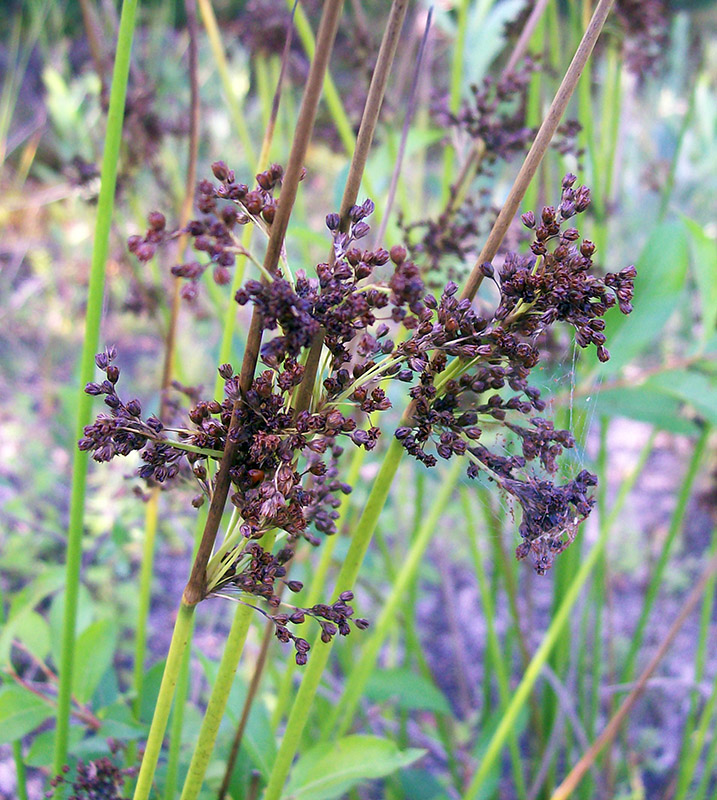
(493, 119)
(457, 401)
(257, 571)
(367, 310)
(495, 116)
(646, 24)
(100, 779)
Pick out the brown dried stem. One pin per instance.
(572, 780)
(364, 139)
(196, 586)
(539, 146)
(521, 45)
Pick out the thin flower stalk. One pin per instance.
(152, 510)
(339, 720)
(576, 774)
(220, 59)
(381, 487)
(93, 317)
(219, 698)
(560, 618)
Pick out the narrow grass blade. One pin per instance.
(105, 207)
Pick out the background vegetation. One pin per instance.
(478, 678)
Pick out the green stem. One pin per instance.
(656, 579)
(217, 702)
(105, 207)
(180, 638)
(320, 652)
(454, 100)
(145, 596)
(497, 657)
(177, 723)
(20, 771)
(522, 693)
(692, 744)
(342, 714)
(220, 59)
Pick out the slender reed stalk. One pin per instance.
(691, 749)
(220, 694)
(387, 472)
(656, 579)
(493, 645)
(410, 111)
(339, 719)
(454, 97)
(100, 250)
(152, 511)
(220, 59)
(521, 694)
(571, 782)
(20, 771)
(180, 638)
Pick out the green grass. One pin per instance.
(428, 553)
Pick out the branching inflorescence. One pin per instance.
(467, 375)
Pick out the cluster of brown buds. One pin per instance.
(467, 376)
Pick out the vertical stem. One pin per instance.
(20, 772)
(656, 579)
(220, 59)
(218, 702)
(180, 637)
(105, 208)
(320, 652)
(493, 645)
(454, 98)
(341, 715)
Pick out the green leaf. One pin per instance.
(410, 691)
(703, 249)
(20, 712)
(661, 272)
(693, 388)
(643, 403)
(22, 621)
(329, 771)
(94, 652)
(119, 723)
(42, 749)
(29, 628)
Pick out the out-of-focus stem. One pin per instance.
(539, 146)
(105, 207)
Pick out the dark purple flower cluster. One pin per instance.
(646, 24)
(100, 779)
(468, 374)
(473, 372)
(495, 118)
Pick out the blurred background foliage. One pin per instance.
(647, 147)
